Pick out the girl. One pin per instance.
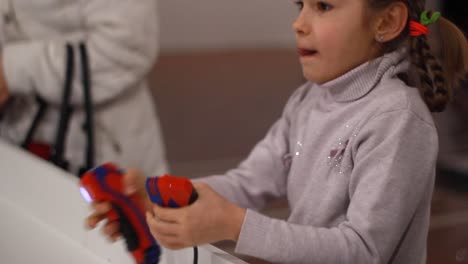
(354, 151)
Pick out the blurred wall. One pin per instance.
(225, 24)
(224, 73)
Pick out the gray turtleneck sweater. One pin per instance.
(355, 158)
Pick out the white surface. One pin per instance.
(224, 24)
(27, 240)
(43, 215)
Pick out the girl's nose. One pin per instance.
(299, 26)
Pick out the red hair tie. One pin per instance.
(417, 29)
(420, 28)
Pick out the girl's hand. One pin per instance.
(111, 229)
(211, 218)
(134, 184)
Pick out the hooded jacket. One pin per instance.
(122, 42)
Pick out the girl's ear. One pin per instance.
(391, 21)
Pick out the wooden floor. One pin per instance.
(214, 107)
(448, 235)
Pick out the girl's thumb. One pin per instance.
(131, 181)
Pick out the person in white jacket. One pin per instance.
(121, 37)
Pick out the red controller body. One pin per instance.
(171, 191)
(104, 183)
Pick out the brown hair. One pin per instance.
(437, 81)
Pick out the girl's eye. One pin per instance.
(322, 6)
(300, 4)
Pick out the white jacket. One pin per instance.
(122, 41)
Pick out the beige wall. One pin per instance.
(214, 106)
(226, 24)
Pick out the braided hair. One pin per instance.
(436, 81)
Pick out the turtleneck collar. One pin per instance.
(361, 80)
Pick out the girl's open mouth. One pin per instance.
(306, 52)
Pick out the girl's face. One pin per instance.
(333, 37)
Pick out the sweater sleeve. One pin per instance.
(263, 174)
(121, 38)
(394, 168)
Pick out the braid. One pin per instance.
(431, 76)
(437, 82)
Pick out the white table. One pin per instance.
(42, 220)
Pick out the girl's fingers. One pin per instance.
(116, 236)
(94, 219)
(166, 233)
(171, 242)
(170, 215)
(173, 245)
(131, 181)
(160, 227)
(101, 207)
(99, 213)
(111, 229)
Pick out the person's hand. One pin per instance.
(209, 219)
(4, 91)
(134, 184)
